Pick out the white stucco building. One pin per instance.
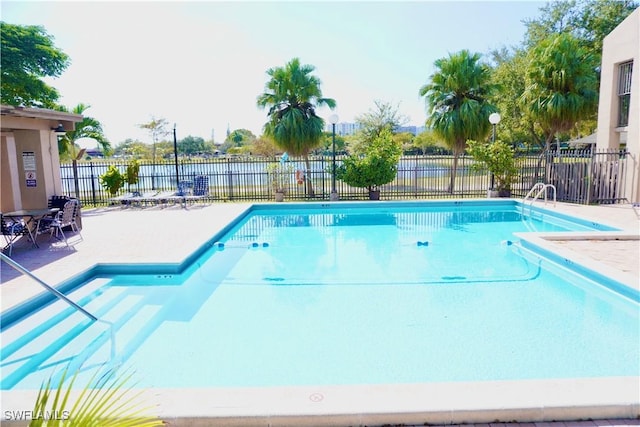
(619, 107)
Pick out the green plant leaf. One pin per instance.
(106, 401)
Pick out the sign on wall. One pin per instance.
(29, 164)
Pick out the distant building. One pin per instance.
(94, 152)
(344, 129)
(415, 130)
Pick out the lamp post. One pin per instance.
(333, 119)
(175, 157)
(494, 119)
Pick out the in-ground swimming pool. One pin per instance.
(341, 294)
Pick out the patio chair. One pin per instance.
(57, 201)
(65, 218)
(12, 230)
(164, 197)
(200, 189)
(138, 199)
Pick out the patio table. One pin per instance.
(32, 218)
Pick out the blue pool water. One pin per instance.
(317, 295)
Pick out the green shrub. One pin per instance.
(133, 169)
(498, 158)
(378, 165)
(112, 180)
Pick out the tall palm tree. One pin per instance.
(457, 102)
(561, 85)
(561, 88)
(292, 95)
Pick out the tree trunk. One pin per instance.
(545, 152)
(76, 185)
(454, 170)
(307, 176)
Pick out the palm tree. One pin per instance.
(292, 95)
(457, 102)
(88, 127)
(561, 88)
(561, 85)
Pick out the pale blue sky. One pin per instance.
(202, 65)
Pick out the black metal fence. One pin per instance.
(579, 176)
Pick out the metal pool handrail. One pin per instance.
(542, 189)
(54, 291)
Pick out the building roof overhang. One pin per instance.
(24, 117)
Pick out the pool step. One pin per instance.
(65, 336)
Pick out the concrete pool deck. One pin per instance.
(114, 235)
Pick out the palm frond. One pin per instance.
(106, 401)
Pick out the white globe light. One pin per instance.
(494, 118)
(333, 119)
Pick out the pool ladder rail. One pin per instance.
(49, 288)
(542, 189)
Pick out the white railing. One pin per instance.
(542, 190)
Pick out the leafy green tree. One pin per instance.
(164, 149)
(327, 143)
(427, 141)
(556, 17)
(87, 128)
(384, 115)
(27, 55)
(292, 95)
(587, 20)
(509, 75)
(191, 145)
(264, 147)
(599, 17)
(405, 141)
(157, 128)
(457, 98)
(239, 138)
(135, 149)
(561, 85)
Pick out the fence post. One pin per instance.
(93, 184)
(415, 176)
(229, 179)
(590, 176)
